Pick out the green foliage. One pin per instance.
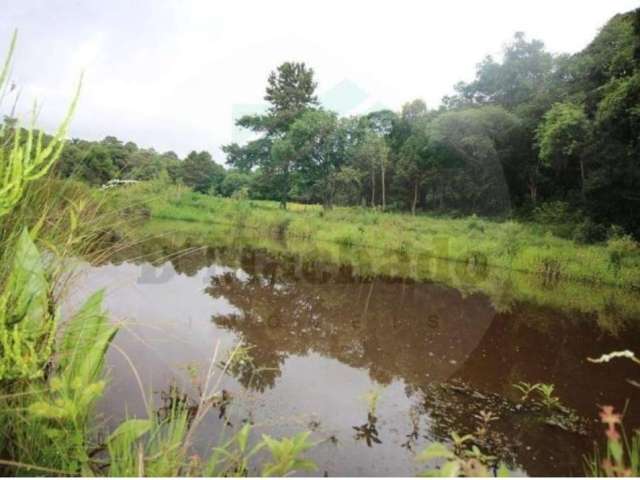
(231, 459)
(551, 213)
(562, 133)
(589, 232)
(530, 128)
(526, 389)
(27, 327)
(463, 460)
(24, 160)
(98, 162)
(65, 410)
(512, 240)
(235, 182)
(159, 447)
(286, 455)
(550, 268)
(201, 173)
(290, 92)
(541, 393)
(51, 372)
(59, 413)
(620, 248)
(547, 256)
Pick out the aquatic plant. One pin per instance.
(286, 455)
(464, 460)
(548, 400)
(543, 393)
(526, 389)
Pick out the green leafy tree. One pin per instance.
(96, 166)
(415, 164)
(563, 135)
(201, 173)
(473, 146)
(319, 145)
(234, 181)
(372, 155)
(290, 92)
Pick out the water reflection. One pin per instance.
(321, 335)
(377, 324)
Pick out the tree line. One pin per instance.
(531, 128)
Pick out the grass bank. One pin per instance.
(371, 243)
(472, 241)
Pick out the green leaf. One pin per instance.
(503, 471)
(243, 437)
(450, 469)
(615, 447)
(86, 339)
(27, 286)
(308, 465)
(130, 430)
(43, 409)
(435, 450)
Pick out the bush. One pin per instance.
(551, 212)
(615, 231)
(620, 248)
(510, 241)
(589, 232)
(556, 213)
(475, 224)
(241, 195)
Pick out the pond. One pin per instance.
(322, 340)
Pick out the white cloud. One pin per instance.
(167, 74)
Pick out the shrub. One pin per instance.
(620, 248)
(589, 232)
(559, 217)
(550, 213)
(615, 231)
(475, 224)
(510, 242)
(241, 195)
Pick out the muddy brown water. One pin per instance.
(323, 338)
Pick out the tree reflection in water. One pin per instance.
(424, 335)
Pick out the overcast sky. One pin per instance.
(171, 74)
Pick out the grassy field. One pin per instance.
(509, 262)
(475, 242)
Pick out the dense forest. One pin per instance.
(532, 132)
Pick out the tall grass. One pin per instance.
(522, 247)
(51, 368)
(473, 254)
